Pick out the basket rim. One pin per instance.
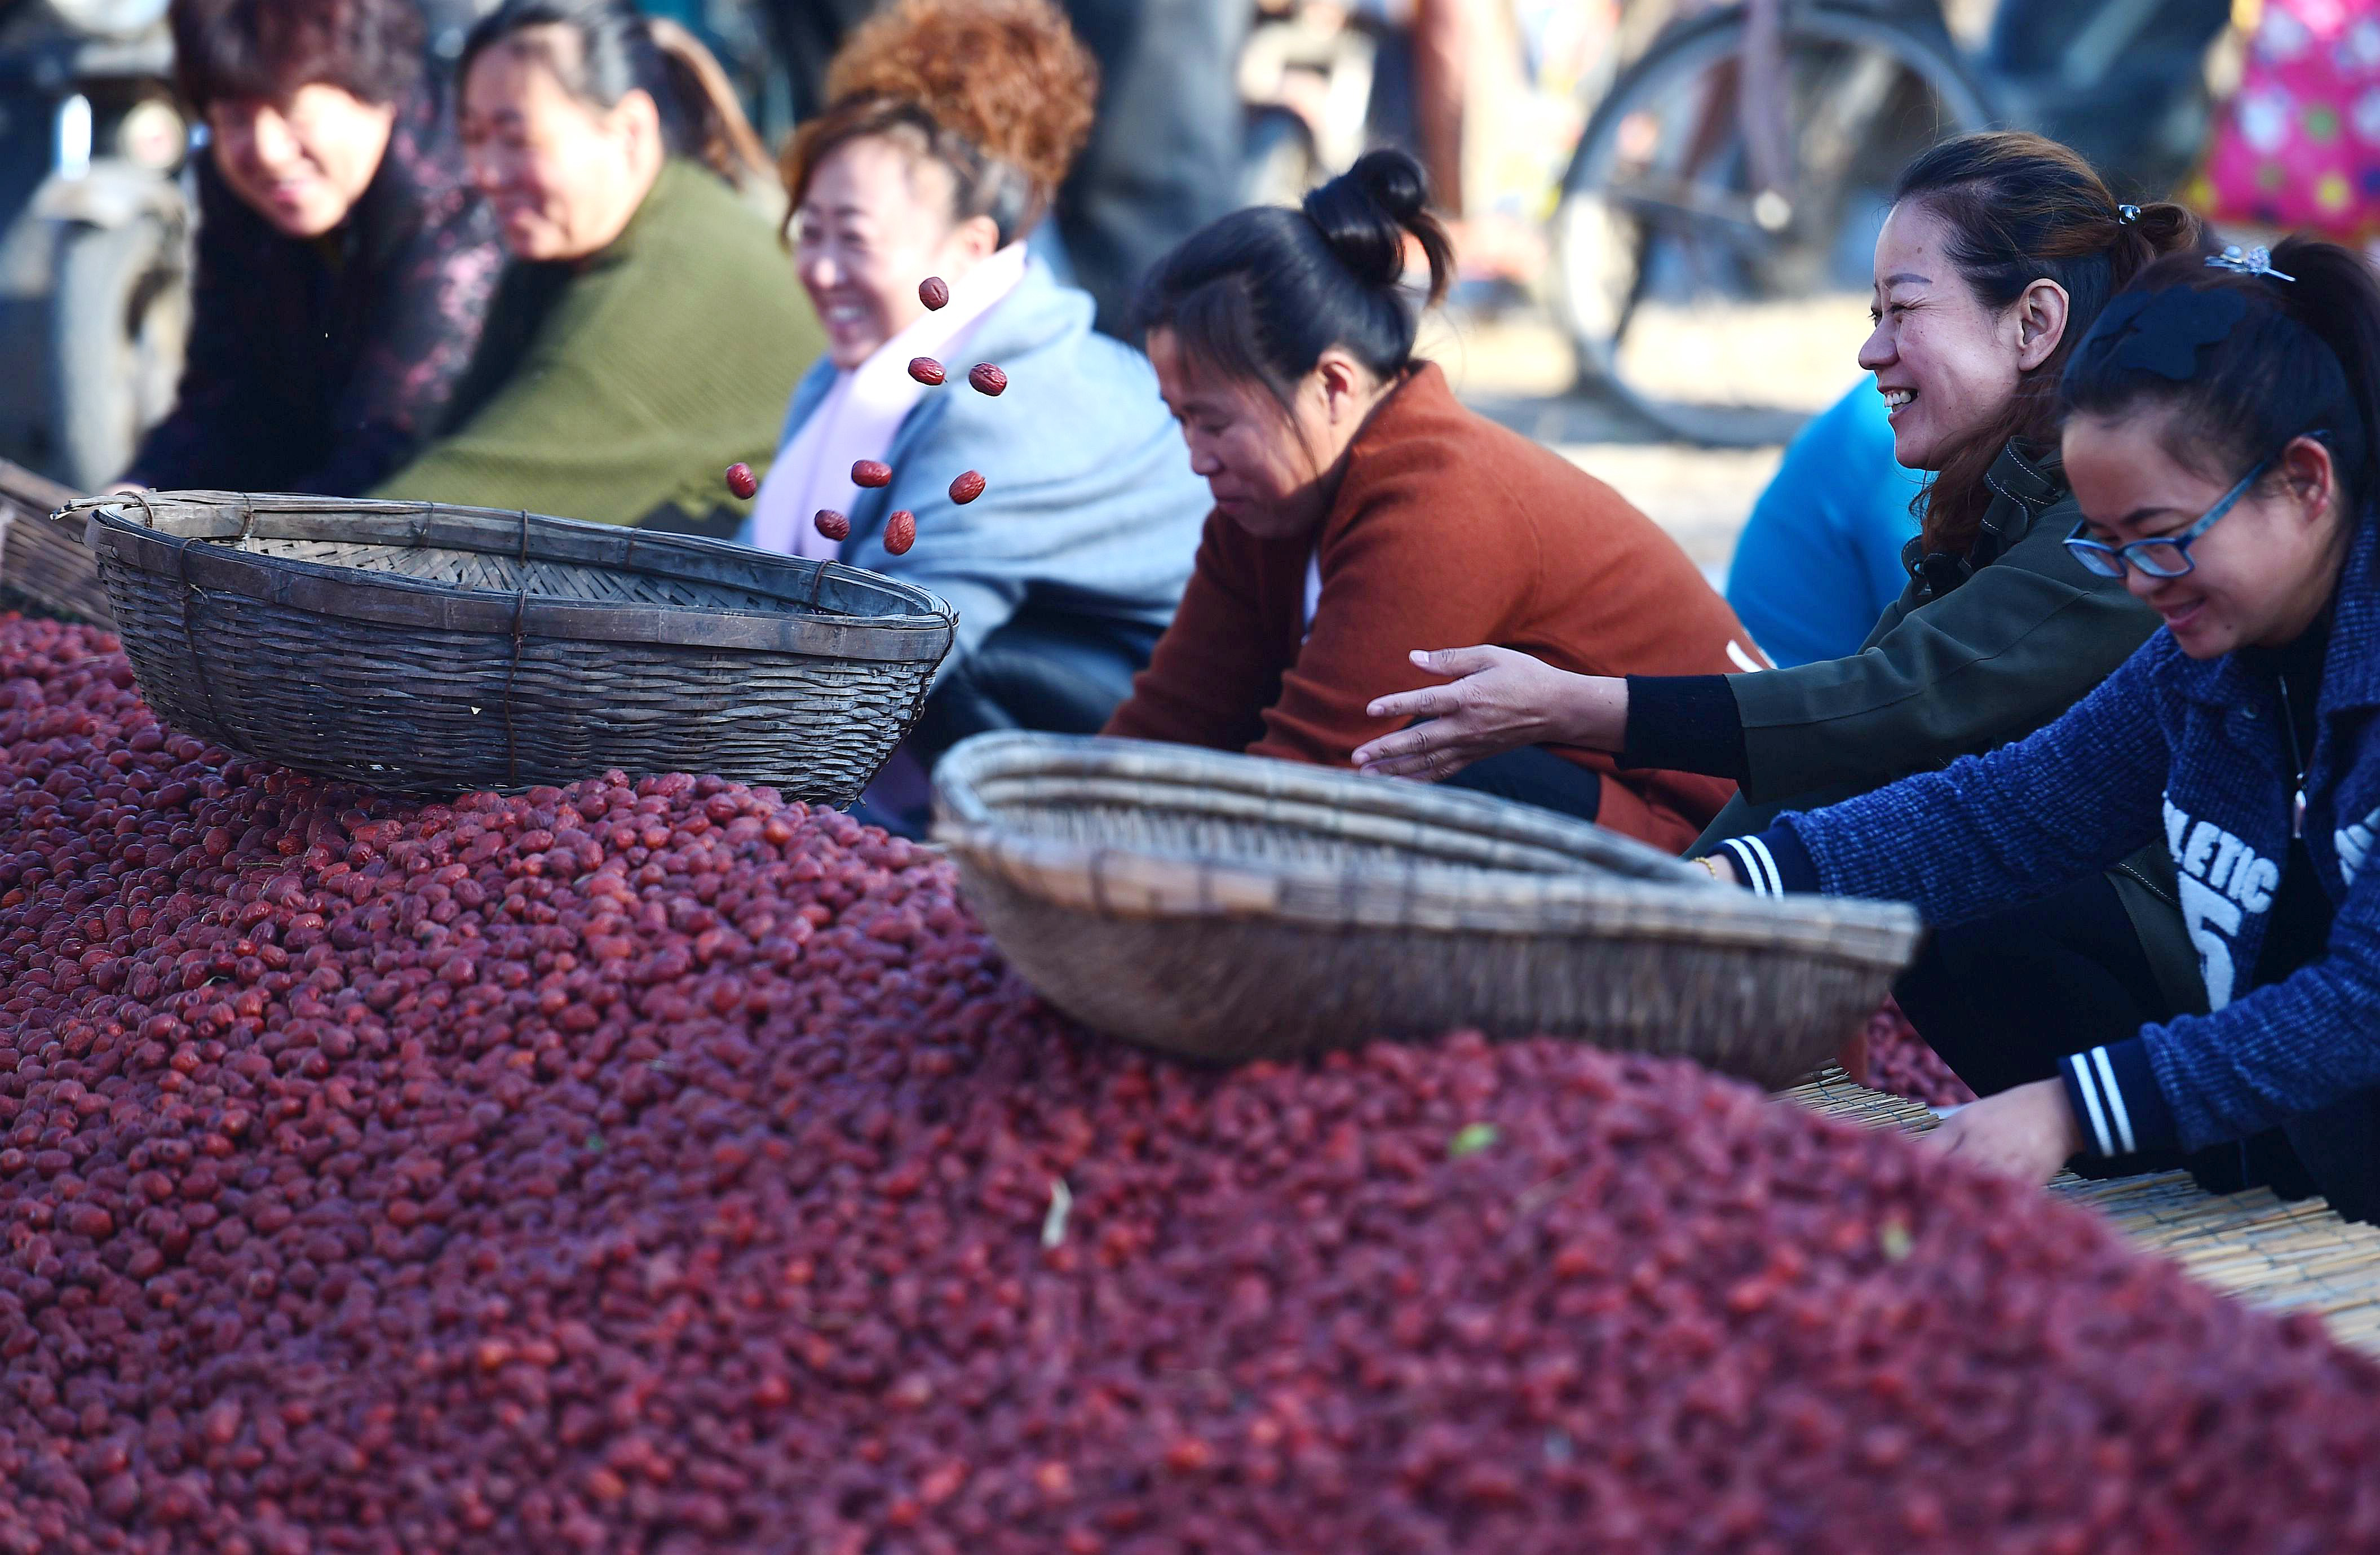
(1676, 903)
(922, 630)
(1422, 808)
(34, 492)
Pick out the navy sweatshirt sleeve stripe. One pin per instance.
(2114, 1092)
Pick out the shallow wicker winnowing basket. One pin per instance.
(1228, 908)
(40, 557)
(434, 649)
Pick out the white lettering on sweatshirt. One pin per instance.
(2354, 845)
(2224, 883)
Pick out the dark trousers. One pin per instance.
(1053, 671)
(2005, 998)
(1535, 775)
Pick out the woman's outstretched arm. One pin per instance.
(1502, 701)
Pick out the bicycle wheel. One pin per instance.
(1725, 312)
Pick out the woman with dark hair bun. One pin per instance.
(343, 264)
(1358, 507)
(643, 338)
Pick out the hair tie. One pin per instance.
(2127, 214)
(2248, 261)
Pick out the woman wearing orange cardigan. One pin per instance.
(1356, 502)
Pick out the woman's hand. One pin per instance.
(2026, 1133)
(1502, 701)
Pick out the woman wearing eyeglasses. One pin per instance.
(2221, 443)
(1996, 256)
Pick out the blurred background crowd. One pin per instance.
(1662, 210)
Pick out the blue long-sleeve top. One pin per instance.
(2198, 753)
(1093, 507)
(1820, 558)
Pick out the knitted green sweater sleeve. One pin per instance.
(667, 357)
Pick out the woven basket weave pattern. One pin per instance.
(1769, 1017)
(1284, 833)
(43, 560)
(538, 578)
(368, 677)
(1232, 910)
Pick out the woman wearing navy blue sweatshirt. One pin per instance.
(2220, 440)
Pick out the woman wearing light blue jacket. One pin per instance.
(1067, 567)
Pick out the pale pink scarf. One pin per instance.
(862, 413)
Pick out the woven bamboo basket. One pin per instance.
(41, 556)
(432, 650)
(1229, 908)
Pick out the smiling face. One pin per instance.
(301, 164)
(1272, 469)
(2263, 572)
(1947, 363)
(875, 221)
(562, 177)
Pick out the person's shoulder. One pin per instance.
(1044, 319)
(706, 254)
(1422, 438)
(1075, 382)
(1432, 456)
(707, 222)
(1847, 441)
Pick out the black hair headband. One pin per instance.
(2159, 331)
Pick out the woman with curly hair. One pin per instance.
(951, 124)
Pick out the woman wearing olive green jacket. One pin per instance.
(1999, 251)
(647, 331)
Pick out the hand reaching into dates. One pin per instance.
(2026, 1133)
(1500, 701)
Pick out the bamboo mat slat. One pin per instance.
(2250, 1244)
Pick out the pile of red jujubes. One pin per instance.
(660, 1167)
(1899, 1061)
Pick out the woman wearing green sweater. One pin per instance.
(645, 334)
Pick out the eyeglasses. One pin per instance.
(2167, 555)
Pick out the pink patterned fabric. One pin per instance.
(2299, 145)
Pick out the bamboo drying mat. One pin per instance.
(2250, 1244)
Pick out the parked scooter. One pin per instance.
(95, 224)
